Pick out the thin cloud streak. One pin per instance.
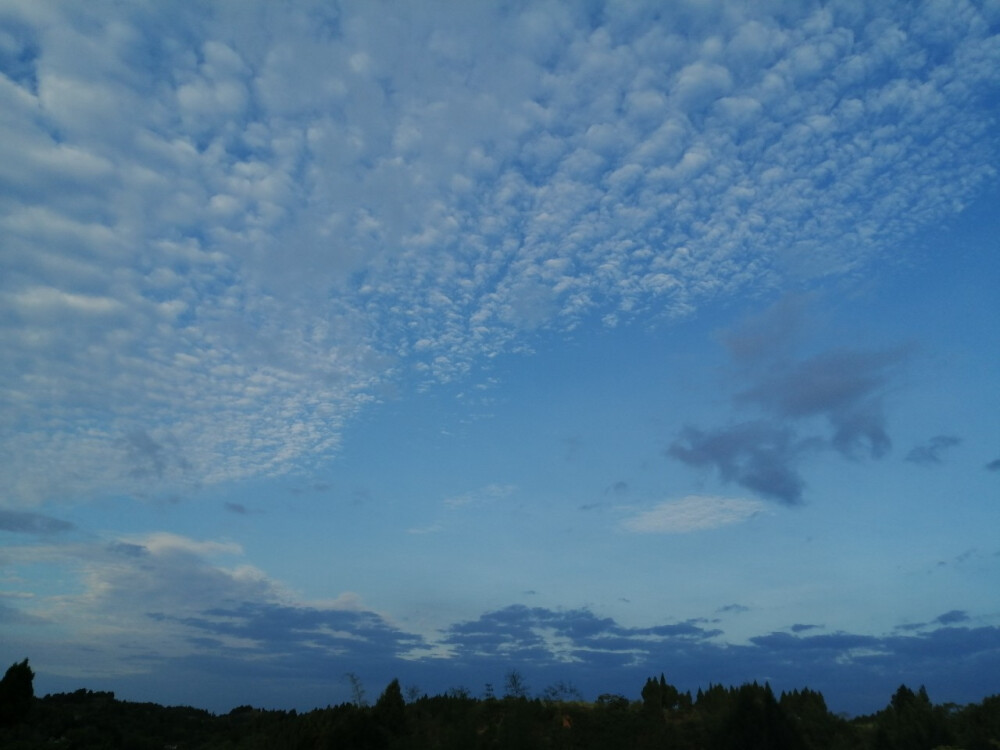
(693, 513)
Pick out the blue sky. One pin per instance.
(434, 340)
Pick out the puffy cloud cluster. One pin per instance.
(224, 227)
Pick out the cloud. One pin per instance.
(237, 508)
(489, 493)
(952, 617)
(302, 638)
(993, 465)
(544, 636)
(157, 618)
(756, 455)
(163, 542)
(147, 457)
(930, 452)
(300, 216)
(693, 513)
(842, 385)
(802, 627)
(32, 523)
(146, 604)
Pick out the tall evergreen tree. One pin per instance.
(16, 693)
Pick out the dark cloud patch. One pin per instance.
(297, 655)
(733, 608)
(310, 638)
(952, 617)
(794, 396)
(770, 334)
(237, 508)
(930, 452)
(803, 627)
(590, 650)
(618, 488)
(13, 616)
(537, 634)
(993, 465)
(127, 550)
(146, 457)
(839, 642)
(23, 522)
(843, 386)
(757, 455)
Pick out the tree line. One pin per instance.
(744, 717)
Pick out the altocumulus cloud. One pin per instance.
(693, 513)
(301, 203)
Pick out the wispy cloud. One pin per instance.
(487, 494)
(32, 523)
(693, 513)
(931, 451)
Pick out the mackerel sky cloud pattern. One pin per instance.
(293, 218)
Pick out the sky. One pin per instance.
(436, 340)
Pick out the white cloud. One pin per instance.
(163, 542)
(693, 513)
(489, 493)
(275, 212)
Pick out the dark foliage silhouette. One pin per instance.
(747, 717)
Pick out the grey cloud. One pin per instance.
(217, 641)
(756, 455)
(32, 523)
(237, 508)
(149, 458)
(127, 550)
(844, 386)
(952, 617)
(770, 334)
(523, 633)
(14, 616)
(930, 452)
(993, 465)
(948, 660)
(325, 634)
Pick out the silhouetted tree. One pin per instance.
(514, 685)
(390, 709)
(16, 693)
(357, 690)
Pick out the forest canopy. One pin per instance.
(744, 717)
